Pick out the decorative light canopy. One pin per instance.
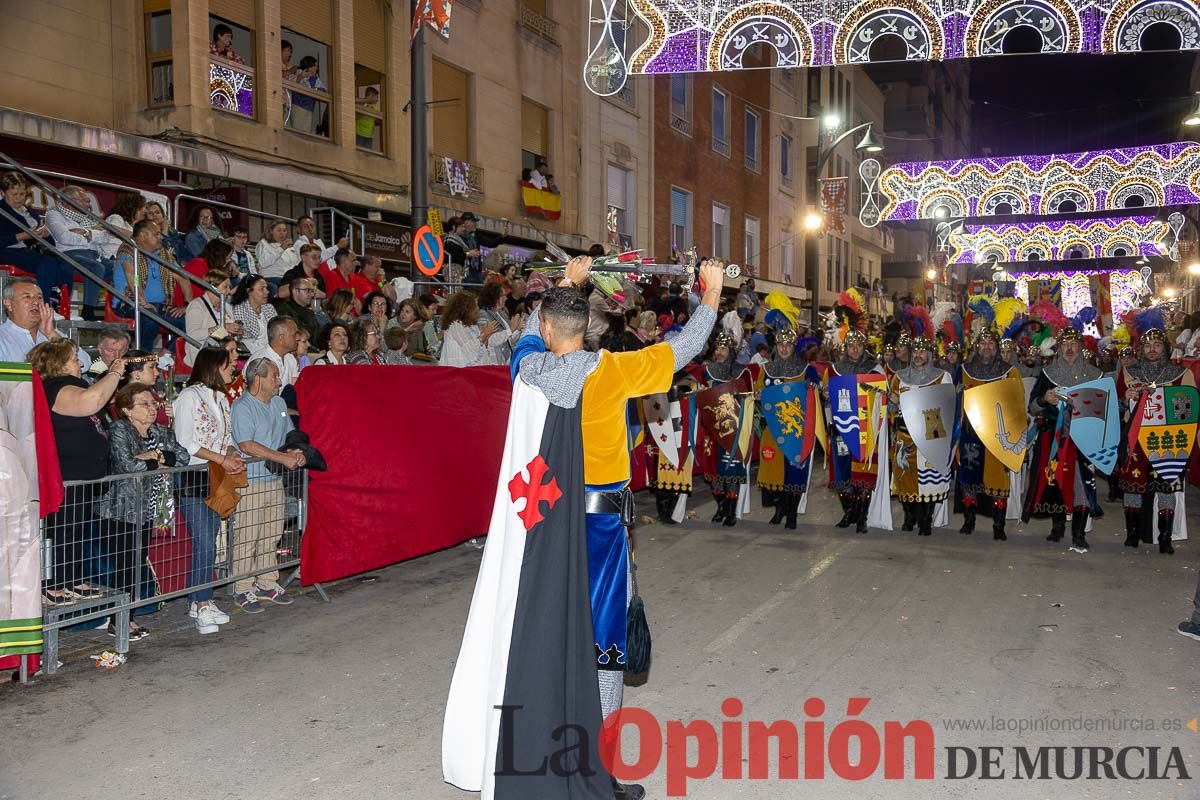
(715, 35)
(1060, 240)
(1101, 180)
(1118, 290)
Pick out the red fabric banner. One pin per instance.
(413, 455)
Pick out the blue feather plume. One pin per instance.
(1151, 319)
(1014, 330)
(983, 308)
(777, 319)
(1085, 316)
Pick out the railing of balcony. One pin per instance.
(454, 178)
(306, 109)
(538, 23)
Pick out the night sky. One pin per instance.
(1026, 104)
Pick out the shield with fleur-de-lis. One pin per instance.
(1168, 428)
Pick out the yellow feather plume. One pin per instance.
(780, 301)
(1007, 310)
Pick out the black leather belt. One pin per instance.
(610, 503)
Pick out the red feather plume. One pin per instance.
(1048, 313)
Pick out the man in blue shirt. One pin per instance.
(28, 322)
(260, 425)
(148, 273)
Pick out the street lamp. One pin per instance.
(1193, 117)
(869, 143)
(1169, 292)
(831, 121)
(813, 220)
(930, 274)
(1194, 268)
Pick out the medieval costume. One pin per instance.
(901, 359)
(672, 478)
(918, 484)
(783, 481)
(1057, 486)
(726, 471)
(1030, 365)
(980, 472)
(852, 479)
(1138, 480)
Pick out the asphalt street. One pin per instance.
(981, 639)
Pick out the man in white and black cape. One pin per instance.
(523, 719)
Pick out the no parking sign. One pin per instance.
(428, 252)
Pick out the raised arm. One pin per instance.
(690, 342)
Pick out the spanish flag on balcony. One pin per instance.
(540, 201)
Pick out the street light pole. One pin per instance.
(418, 132)
(822, 160)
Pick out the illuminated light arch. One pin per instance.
(1042, 253)
(1098, 237)
(954, 203)
(1001, 194)
(1129, 19)
(770, 24)
(1127, 188)
(1130, 247)
(910, 20)
(1085, 249)
(1167, 174)
(1055, 21)
(1077, 193)
(703, 35)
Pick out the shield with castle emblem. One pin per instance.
(790, 412)
(850, 406)
(928, 413)
(1095, 422)
(1168, 428)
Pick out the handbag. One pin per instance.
(637, 631)
(223, 498)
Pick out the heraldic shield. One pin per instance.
(928, 413)
(721, 411)
(790, 411)
(849, 404)
(1168, 430)
(1095, 422)
(998, 414)
(665, 423)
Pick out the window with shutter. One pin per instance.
(370, 110)
(751, 242)
(535, 134)
(231, 76)
(720, 231)
(681, 219)
(451, 111)
(619, 209)
(312, 18)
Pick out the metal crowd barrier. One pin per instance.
(96, 563)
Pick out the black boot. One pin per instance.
(1166, 521)
(1078, 525)
(780, 501)
(849, 511)
(1058, 527)
(666, 505)
(924, 515)
(731, 511)
(863, 500)
(1146, 523)
(792, 501)
(1133, 516)
(998, 523)
(628, 791)
(88, 313)
(909, 518)
(721, 510)
(968, 526)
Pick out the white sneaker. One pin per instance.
(218, 616)
(205, 622)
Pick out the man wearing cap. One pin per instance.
(853, 480)
(1054, 492)
(1139, 482)
(918, 484)
(981, 474)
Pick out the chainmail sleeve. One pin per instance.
(690, 342)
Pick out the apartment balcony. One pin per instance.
(537, 23)
(231, 86)
(450, 177)
(681, 124)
